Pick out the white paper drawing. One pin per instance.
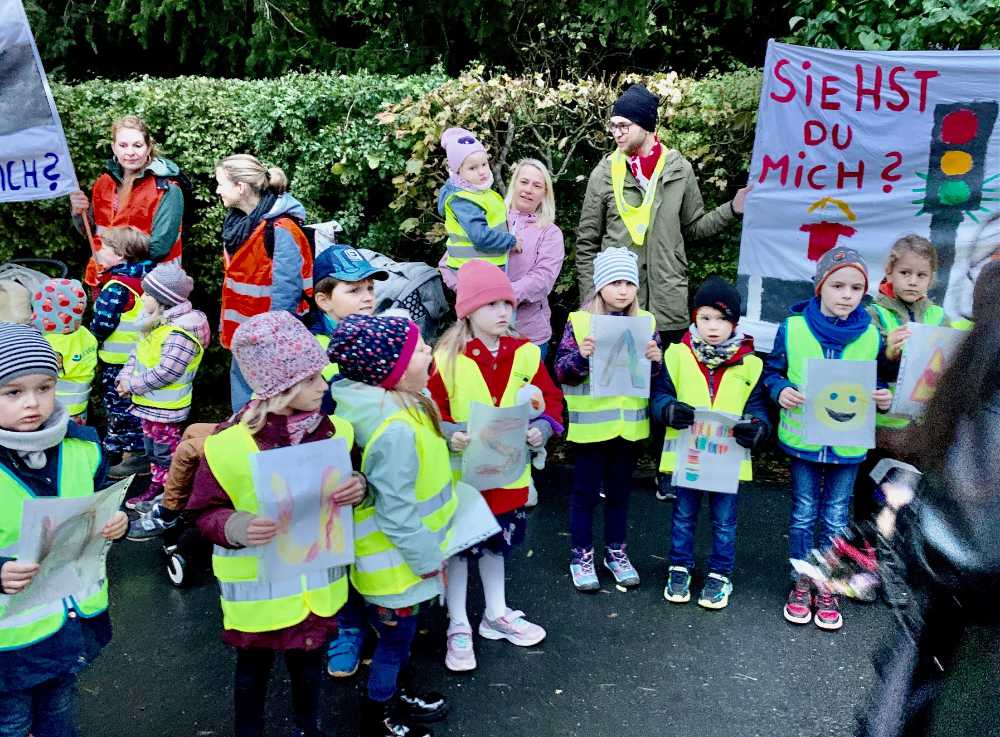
(926, 355)
(618, 365)
(708, 456)
(498, 452)
(839, 408)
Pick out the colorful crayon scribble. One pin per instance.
(331, 533)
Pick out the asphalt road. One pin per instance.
(622, 664)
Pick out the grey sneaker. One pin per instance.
(715, 593)
(581, 567)
(678, 588)
(616, 560)
(131, 463)
(149, 525)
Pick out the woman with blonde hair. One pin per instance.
(534, 268)
(267, 259)
(138, 188)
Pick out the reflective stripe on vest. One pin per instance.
(78, 462)
(118, 346)
(468, 386)
(460, 248)
(934, 315)
(801, 345)
(379, 568)
(147, 356)
(636, 219)
(246, 287)
(594, 419)
(79, 365)
(738, 382)
(250, 604)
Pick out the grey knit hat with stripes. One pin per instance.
(23, 351)
(613, 264)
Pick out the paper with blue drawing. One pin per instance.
(498, 451)
(926, 355)
(618, 365)
(839, 408)
(708, 456)
(294, 487)
(63, 536)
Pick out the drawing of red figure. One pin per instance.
(823, 237)
(331, 537)
(508, 457)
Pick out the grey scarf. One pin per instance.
(31, 446)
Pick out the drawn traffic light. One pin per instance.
(957, 165)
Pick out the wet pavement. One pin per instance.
(614, 663)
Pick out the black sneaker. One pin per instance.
(388, 720)
(428, 706)
(150, 525)
(664, 489)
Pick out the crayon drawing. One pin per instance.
(926, 355)
(295, 487)
(839, 408)
(64, 537)
(498, 452)
(708, 456)
(618, 366)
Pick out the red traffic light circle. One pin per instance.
(959, 127)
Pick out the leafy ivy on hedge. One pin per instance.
(362, 148)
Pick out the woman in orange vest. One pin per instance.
(138, 188)
(268, 262)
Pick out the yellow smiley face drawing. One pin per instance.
(843, 406)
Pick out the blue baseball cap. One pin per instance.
(344, 263)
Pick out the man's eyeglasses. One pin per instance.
(616, 128)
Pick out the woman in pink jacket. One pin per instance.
(534, 265)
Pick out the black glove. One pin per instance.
(749, 433)
(679, 415)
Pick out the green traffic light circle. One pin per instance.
(954, 193)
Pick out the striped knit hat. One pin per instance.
(613, 264)
(168, 284)
(23, 351)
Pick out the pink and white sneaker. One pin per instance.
(827, 615)
(512, 627)
(460, 656)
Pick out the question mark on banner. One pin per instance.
(49, 171)
(888, 173)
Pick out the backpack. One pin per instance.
(413, 287)
(191, 213)
(18, 283)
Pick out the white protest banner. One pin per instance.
(839, 408)
(63, 536)
(498, 451)
(294, 486)
(857, 149)
(708, 456)
(34, 158)
(618, 365)
(926, 354)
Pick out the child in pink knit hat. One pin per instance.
(57, 311)
(281, 361)
(475, 215)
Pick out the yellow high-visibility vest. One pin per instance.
(250, 604)
(379, 568)
(636, 219)
(118, 346)
(78, 462)
(593, 419)
(79, 365)
(460, 248)
(737, 384)
(147, 355)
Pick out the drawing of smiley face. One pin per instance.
(843, 406)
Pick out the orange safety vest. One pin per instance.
(139, 211)
(246, 288)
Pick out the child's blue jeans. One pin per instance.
(821, 492)
(722, 508)
(45, 710)
(396, 629)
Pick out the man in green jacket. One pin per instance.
(645, 197)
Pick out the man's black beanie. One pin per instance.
(638, 105)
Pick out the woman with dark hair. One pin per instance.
(937, 676)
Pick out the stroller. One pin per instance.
(412, 287)
(18, 281)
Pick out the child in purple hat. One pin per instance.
(475, 216)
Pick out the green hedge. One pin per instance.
(363, 149)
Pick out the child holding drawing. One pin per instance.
(481, 359)
(713, 367)
(404, 526)
(43, 454)
(281, 361)
(832, 325)
(606, 429)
